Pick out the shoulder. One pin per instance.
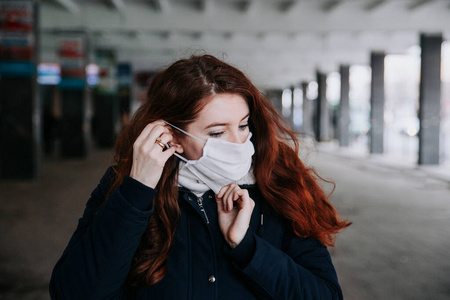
(109, 176)
(101, 191)
(107, 179)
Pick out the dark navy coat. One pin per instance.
(270, 262)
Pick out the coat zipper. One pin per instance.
(200, 204)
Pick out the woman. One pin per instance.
(208, 201)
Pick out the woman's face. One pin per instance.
(225, 117)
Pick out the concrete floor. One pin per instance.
(37, 219)
(397, 247)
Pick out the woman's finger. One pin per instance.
(169, 152)
(242, 197)
(235, 197)
(222, 191)
(229, 190)
(148, 146)
(219, 202)
(222, 196)
(220, 199)
(230, 196)
(226, 202)
(163, 140)
(146, 131)
(156, 133)
(226, 196)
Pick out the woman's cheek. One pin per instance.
(192, 152)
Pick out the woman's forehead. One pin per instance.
(224, 108)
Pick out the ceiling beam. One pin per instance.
(119, 5)
(418, 4)
(228, 35)
(375, 4)
(69, 5)
(286, 6)
(196, 35)
(330, 5)
(206, 6)
(160, 5)
(164, 34)
(189, 34)
(243, 5)
(261, 36)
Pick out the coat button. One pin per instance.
(211, 278)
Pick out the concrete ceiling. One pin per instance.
(277, 43)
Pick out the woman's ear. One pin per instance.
(176, 143)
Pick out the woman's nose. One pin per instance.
(237, 137)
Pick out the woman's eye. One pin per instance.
(215, 134)
(243, 127)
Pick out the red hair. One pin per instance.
(177, 95)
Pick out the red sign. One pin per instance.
(71, 54)
(16, 30)
(71, 48)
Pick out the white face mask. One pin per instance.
(221, 164)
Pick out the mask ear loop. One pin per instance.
(177, 155)
(185, 132)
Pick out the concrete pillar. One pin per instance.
(73, 122)
(287, 112)
(344, 108)
(48, 97)
(274, 96)
(72, 52)
(20, 116)
(291, 115)
(322, 122)
(107, 108)
(307, 111)
(124, 72)
(377, 103)
(430, 99)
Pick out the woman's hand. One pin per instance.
(148, 155)
(234, 207)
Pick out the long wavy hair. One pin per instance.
(177, 95)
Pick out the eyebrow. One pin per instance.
(224, 124)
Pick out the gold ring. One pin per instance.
(158, 141)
